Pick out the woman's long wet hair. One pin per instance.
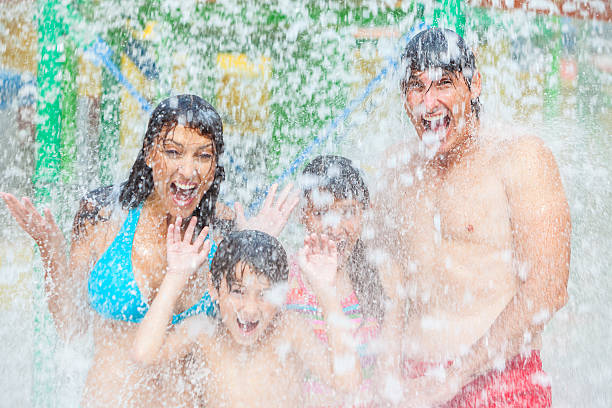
(337, 175)
(190, 111)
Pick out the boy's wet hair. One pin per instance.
(262, 252)
(439, 48)
(337, 175)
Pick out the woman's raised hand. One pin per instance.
(184, 257)
(318, 260)
(273, 216)
(44, 231)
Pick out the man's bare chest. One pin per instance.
(462, 208)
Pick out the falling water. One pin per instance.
(288, 78)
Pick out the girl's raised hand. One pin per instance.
(318, 260)
(273, 215)
(184, 257)
(44, 231)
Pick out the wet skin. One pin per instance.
(181, 159)
(338, 219)
(341, 221)
(246, 309)
(477, 238)
(246, 348)
(255, 354)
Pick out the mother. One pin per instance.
(118, 251)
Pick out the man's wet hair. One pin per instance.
(337, 175)
(439, 48)
(262, 252)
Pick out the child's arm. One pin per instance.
(153, 342)
(337, 362)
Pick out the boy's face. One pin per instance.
(339, 219)
(247, 306)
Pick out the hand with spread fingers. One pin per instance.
(318, 260)
(273, 215)
(184, 257)
(43, 230)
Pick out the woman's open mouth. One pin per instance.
(183, 194)
(247, 327)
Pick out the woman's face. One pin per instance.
(183, 162)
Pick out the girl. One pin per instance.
(336, 197)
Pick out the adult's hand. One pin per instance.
(273, 215)
(43, 230)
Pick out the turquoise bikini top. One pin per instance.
(113, 291)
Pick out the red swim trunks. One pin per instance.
(521, 384)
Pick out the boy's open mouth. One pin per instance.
(247, 327)
(183, 193)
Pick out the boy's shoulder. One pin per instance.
(200, 329)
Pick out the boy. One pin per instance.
(256, 353)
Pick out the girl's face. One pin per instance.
(339, 219)
(183, 162)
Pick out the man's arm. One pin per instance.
(541, 229)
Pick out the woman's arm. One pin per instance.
(65, 281)
(153, 342)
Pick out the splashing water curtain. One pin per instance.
(95, 84)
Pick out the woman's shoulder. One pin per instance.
(96, 209)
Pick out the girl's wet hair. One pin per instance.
(190, 111)
(262, 252)
(337, 175)
(439, 48)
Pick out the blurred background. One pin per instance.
(290, 79)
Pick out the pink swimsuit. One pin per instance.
(299, 298)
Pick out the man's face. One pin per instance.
(439, 106)
(339, 219)
(247, 306)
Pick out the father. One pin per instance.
(477, 229)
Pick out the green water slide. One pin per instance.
(46, 181)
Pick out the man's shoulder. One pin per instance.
(516, 151)
(524, 160)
